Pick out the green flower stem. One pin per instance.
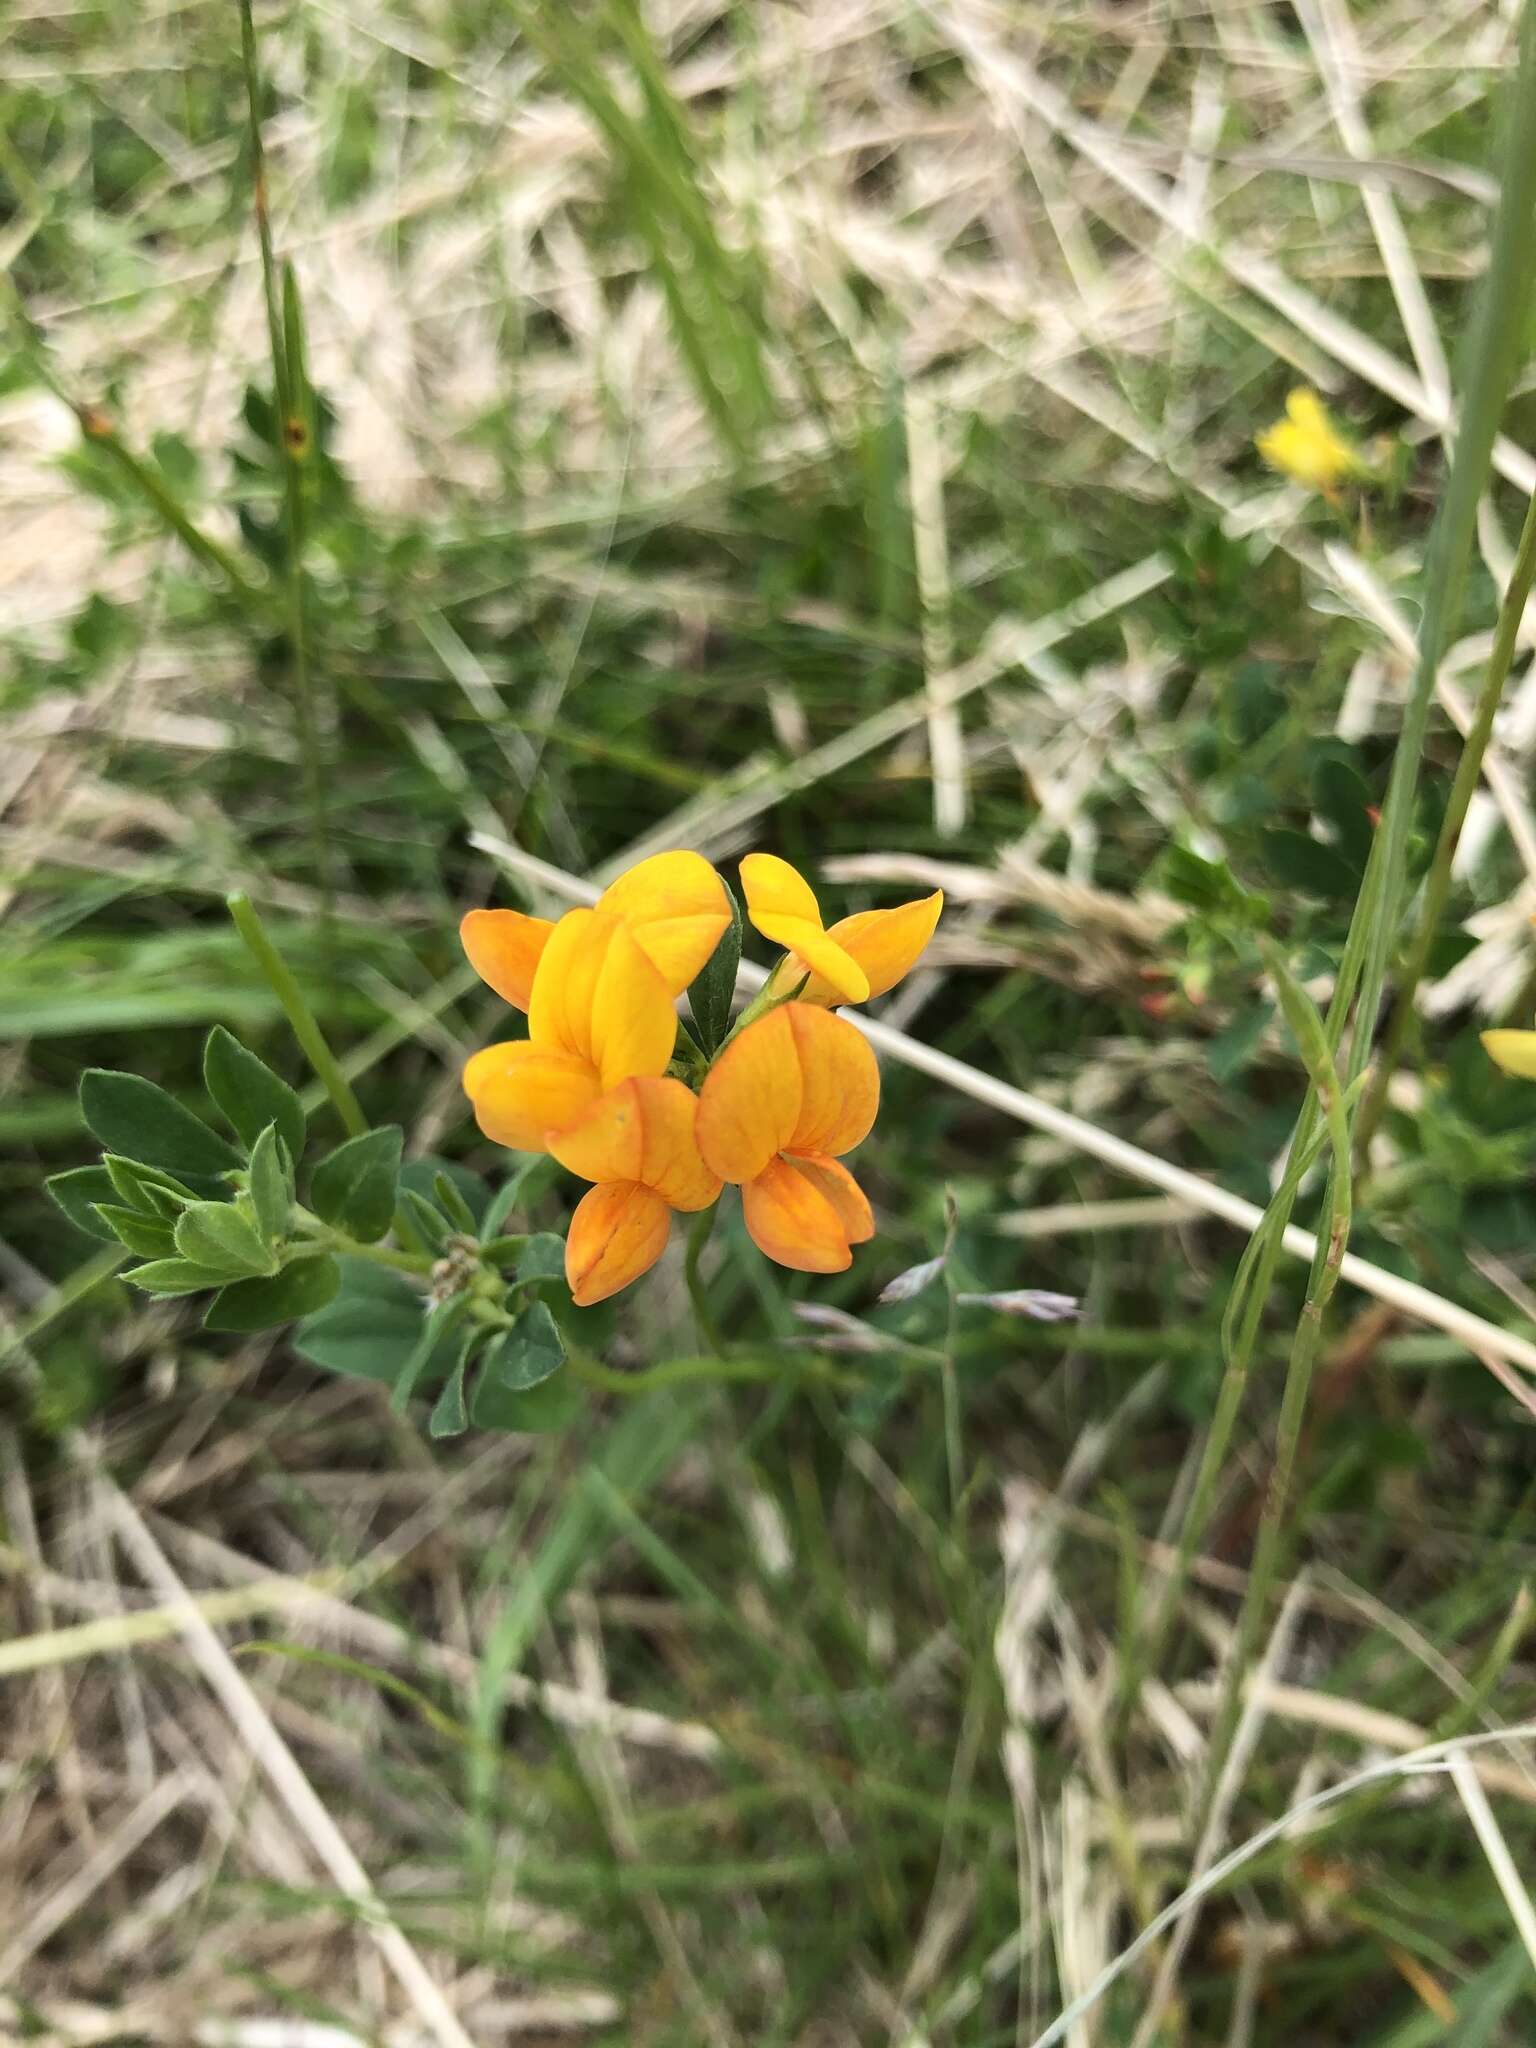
(302, 1018)
(1492, 351)
(97, 427)
(325, 1237)
(307, 1031)
(689, 1371)
(698, 1238)
(769, 997)
(289, 381)
(1468, 768)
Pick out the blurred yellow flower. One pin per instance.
(1514, 1051)
(1308, 447)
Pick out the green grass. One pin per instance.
(607, 324)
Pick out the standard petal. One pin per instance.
(887, 944)
(817, 954)
(676, 906)
(504, 948)
(790, 1219)
(843, 1192)
(750, 1102)
(632, 1027)
(774, 889)
(1514, 1051)
(521, 1092)
(618, 1232)
(560, 1005)
(840, 1081)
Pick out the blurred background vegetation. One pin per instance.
(826, 428)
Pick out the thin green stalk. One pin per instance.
(97, 425)
(1438, 884)
(295, 441)
(698, 1238)
(684, 1371)
(1493, 346)
(307, 1031)
(1491, 356)
(300, 1016)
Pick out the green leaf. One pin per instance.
(371, 1328)
(151, 1237)
(430, 1220)
(552, 1404)
(301, 1289)
(172, 1276)
(78, 1192)
(423, 1175)
(249, 1094)
(449, 1417)
(520, 1185)
(452, 1203)
(542, 1257)
(146, 1188)
(133, 1117)
(441, 1322)
(1306, 864)
(521, 1359)
(271, 1185)
(354, 1186)
(216, 1235)
(1341, 794)
(709, 999)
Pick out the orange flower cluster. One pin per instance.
(596, 1081)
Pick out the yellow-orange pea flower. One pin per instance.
(1308, 447)
(1514, 1051)
(860, 957)
(638, 1145)
(598, 986)
(779, 1107)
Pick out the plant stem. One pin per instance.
(307, 1031)
(300, 1016)
(294, 441)
(682, 1371)
(698, 1238)
(1491, 354)
(1468, 768)
(98, 427)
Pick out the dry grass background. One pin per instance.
(516, 1770)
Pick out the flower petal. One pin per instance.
(843, 1192)
(817, 954)
(676, 906)
(618, 1232)
(521, 1092)
(643, 1131)
(671, 1162)
(790, 1219)
(607, 1143)
(632, 1025)
(1514, 1051)
(887, 944)
(774, 889)
(560, 1004)
(750, 1102)
(839, 1081)
(504, 948)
